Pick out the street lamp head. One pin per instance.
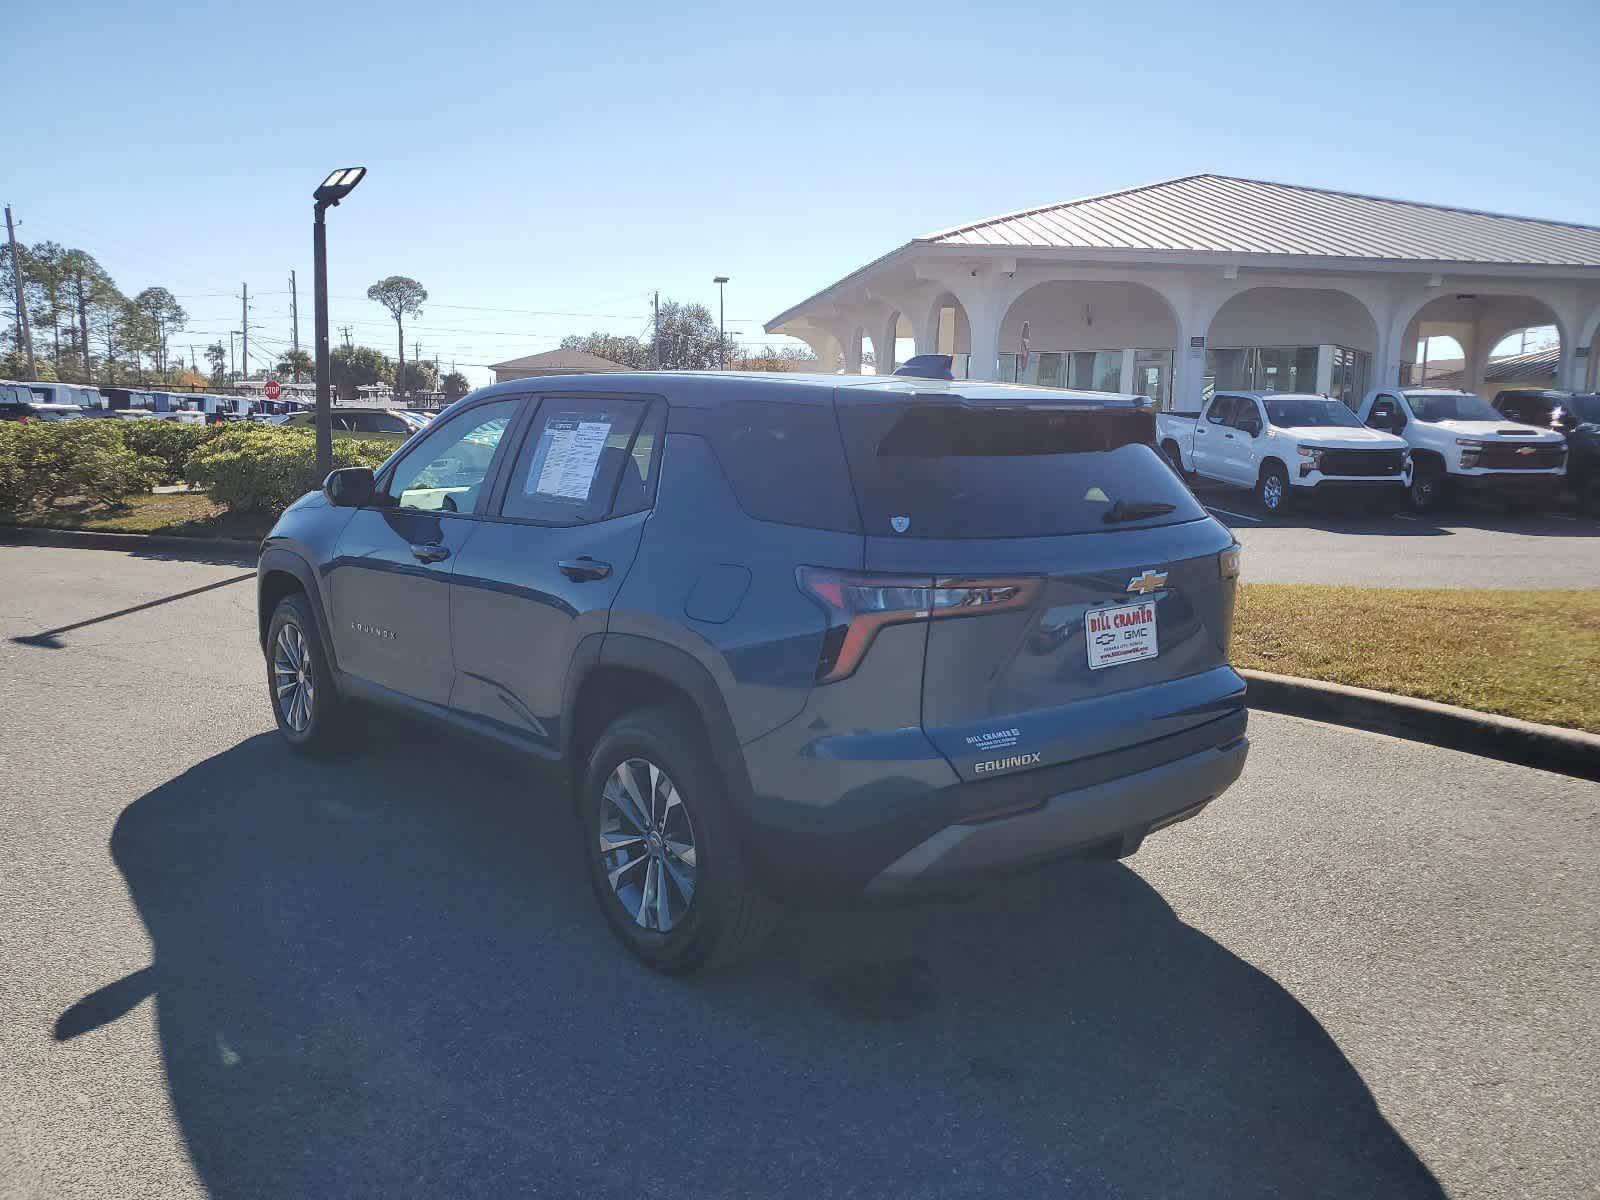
(338, 185)
(720, 279)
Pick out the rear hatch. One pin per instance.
(1081, 597)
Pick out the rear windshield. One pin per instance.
(956, 471)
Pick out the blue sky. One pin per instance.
(528, 160)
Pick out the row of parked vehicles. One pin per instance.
(41, 401)
(1422, 446)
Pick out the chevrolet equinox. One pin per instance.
(789, 637)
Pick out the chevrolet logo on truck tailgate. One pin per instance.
(1148, 582)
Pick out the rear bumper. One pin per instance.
(1107, 819)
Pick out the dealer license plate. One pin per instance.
(1120, 634)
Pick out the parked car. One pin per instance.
(18, 403)
(1576, 417)
(1283, 446)
(376, 424)
(1459, 444)
(790, 637)
(63, 395)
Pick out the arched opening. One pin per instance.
(945, 329)
(1502, 342)
(893, 341)
(1292, 340)
(1091, 334)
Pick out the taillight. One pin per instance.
(859, 605)
(22, 419)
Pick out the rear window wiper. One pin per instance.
(1136, 510)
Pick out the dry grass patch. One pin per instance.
(179, 514)
(1534, 654)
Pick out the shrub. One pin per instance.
(267, 467)
(86, 459)
(169, 442)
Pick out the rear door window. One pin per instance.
(578, 456)
(935, 470)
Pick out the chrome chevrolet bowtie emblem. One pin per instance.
(1148, 582)
(1526, 450)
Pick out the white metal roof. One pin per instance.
(1222, 214)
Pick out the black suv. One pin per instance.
(1576, 416)
(793, 636)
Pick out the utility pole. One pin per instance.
(244, 327)
(22, 308)
(655, 337)
(345, 329)
(294, 316)
(233, 375)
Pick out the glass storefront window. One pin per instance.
(1262, 369)
(1152, 376)
(1097, 370)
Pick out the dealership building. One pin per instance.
(1205, 282)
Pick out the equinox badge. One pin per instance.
(1148, 582)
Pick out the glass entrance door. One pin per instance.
(1152, 376)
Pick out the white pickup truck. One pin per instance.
(1459, 443)
(1285, 445)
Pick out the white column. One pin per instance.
(984, 320)
(1189, 367)
(883, 344)
(1325, 370)
(852, 352)
(1126, 385)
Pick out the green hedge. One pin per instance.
(267, 467)
(41, 462)
(169, 442)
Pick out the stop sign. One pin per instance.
(272, 389)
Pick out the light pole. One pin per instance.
(722, 322)
(332, 190)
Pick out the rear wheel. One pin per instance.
(1175, 457)
(661, 849)
(311, 715)
(1272, 490)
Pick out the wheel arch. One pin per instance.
(1272, 460)
(626, 673)
(278, 574)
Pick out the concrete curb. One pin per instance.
(237, 548)
(1546, 747)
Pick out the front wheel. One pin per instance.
(1427, 487)
(663, 856)
(1272, 491)
(311, 715)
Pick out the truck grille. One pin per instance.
(1507, 456)
(1363, 462)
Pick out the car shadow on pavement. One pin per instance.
(385, 976)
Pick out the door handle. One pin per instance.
(1229, 436)
(584, 568)
(430, 552)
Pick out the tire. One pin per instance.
(1427, 487)
(1169, 448)
(640, 859)
(315, 721)
(1589, 497)
(1272, 490)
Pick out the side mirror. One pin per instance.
(1253, 428)
(349, 487)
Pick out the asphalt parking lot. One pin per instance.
(1368, 971)
(1463, 547)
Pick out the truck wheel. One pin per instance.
(312, 717)
(1272, 490)
(662, 852)
(1175, 457)
(1427, 487)
(1589, 497)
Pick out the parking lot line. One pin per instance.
(1236, 516)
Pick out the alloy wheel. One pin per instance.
(292, 684)
(1272, 493)
(647, 845)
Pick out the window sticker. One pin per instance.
(565, 461)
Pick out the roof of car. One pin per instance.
(1271, 395)
(713, 387)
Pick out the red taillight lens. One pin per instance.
(22, 419)
(859, 605)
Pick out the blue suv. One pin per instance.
(791, 637)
